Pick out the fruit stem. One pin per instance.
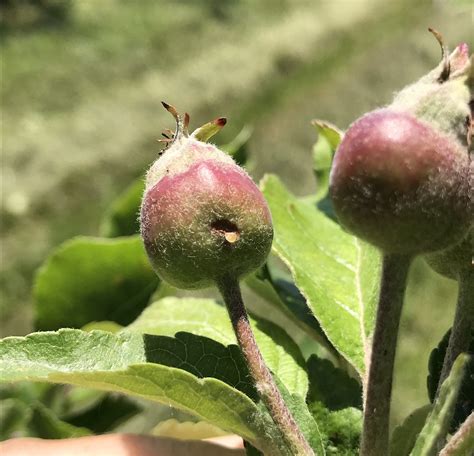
(266, 386)
(463, 325)
(375, 432)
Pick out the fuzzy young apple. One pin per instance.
(204, 222)
(402, 177)
(202, 216)
(402, 185)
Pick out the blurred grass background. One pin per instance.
(81, 87)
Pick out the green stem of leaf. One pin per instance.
(461, 443)
(463, 325)
(375, 433)
(266, 386)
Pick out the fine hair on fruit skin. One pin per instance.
(456, 260)
(401, 185)
(202, 216)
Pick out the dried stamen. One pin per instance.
(444, 76)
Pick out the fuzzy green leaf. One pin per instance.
(93, 279)
(286, 301)
(437, 424)
(128, 363)
(405, 435)
(306, 422)
(336, 272)
(121, 218)
(206, 317)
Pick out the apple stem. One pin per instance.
(375, 432)
(264, 382)
(463, 325)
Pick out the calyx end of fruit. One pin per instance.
(442, 97)
(203, 133)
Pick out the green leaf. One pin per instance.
(304, 418)
(206, 317)
(404, 436)
(437, 424)
(285, 298)
(46, 425)
(465, 401)
(329, 137)
(336, 272)
(92, 279)
(112, 362)
(121, 218)
(332, 386)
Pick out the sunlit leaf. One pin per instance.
(336, 272)
(287, 301)
(205, 317)
(145, 366)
